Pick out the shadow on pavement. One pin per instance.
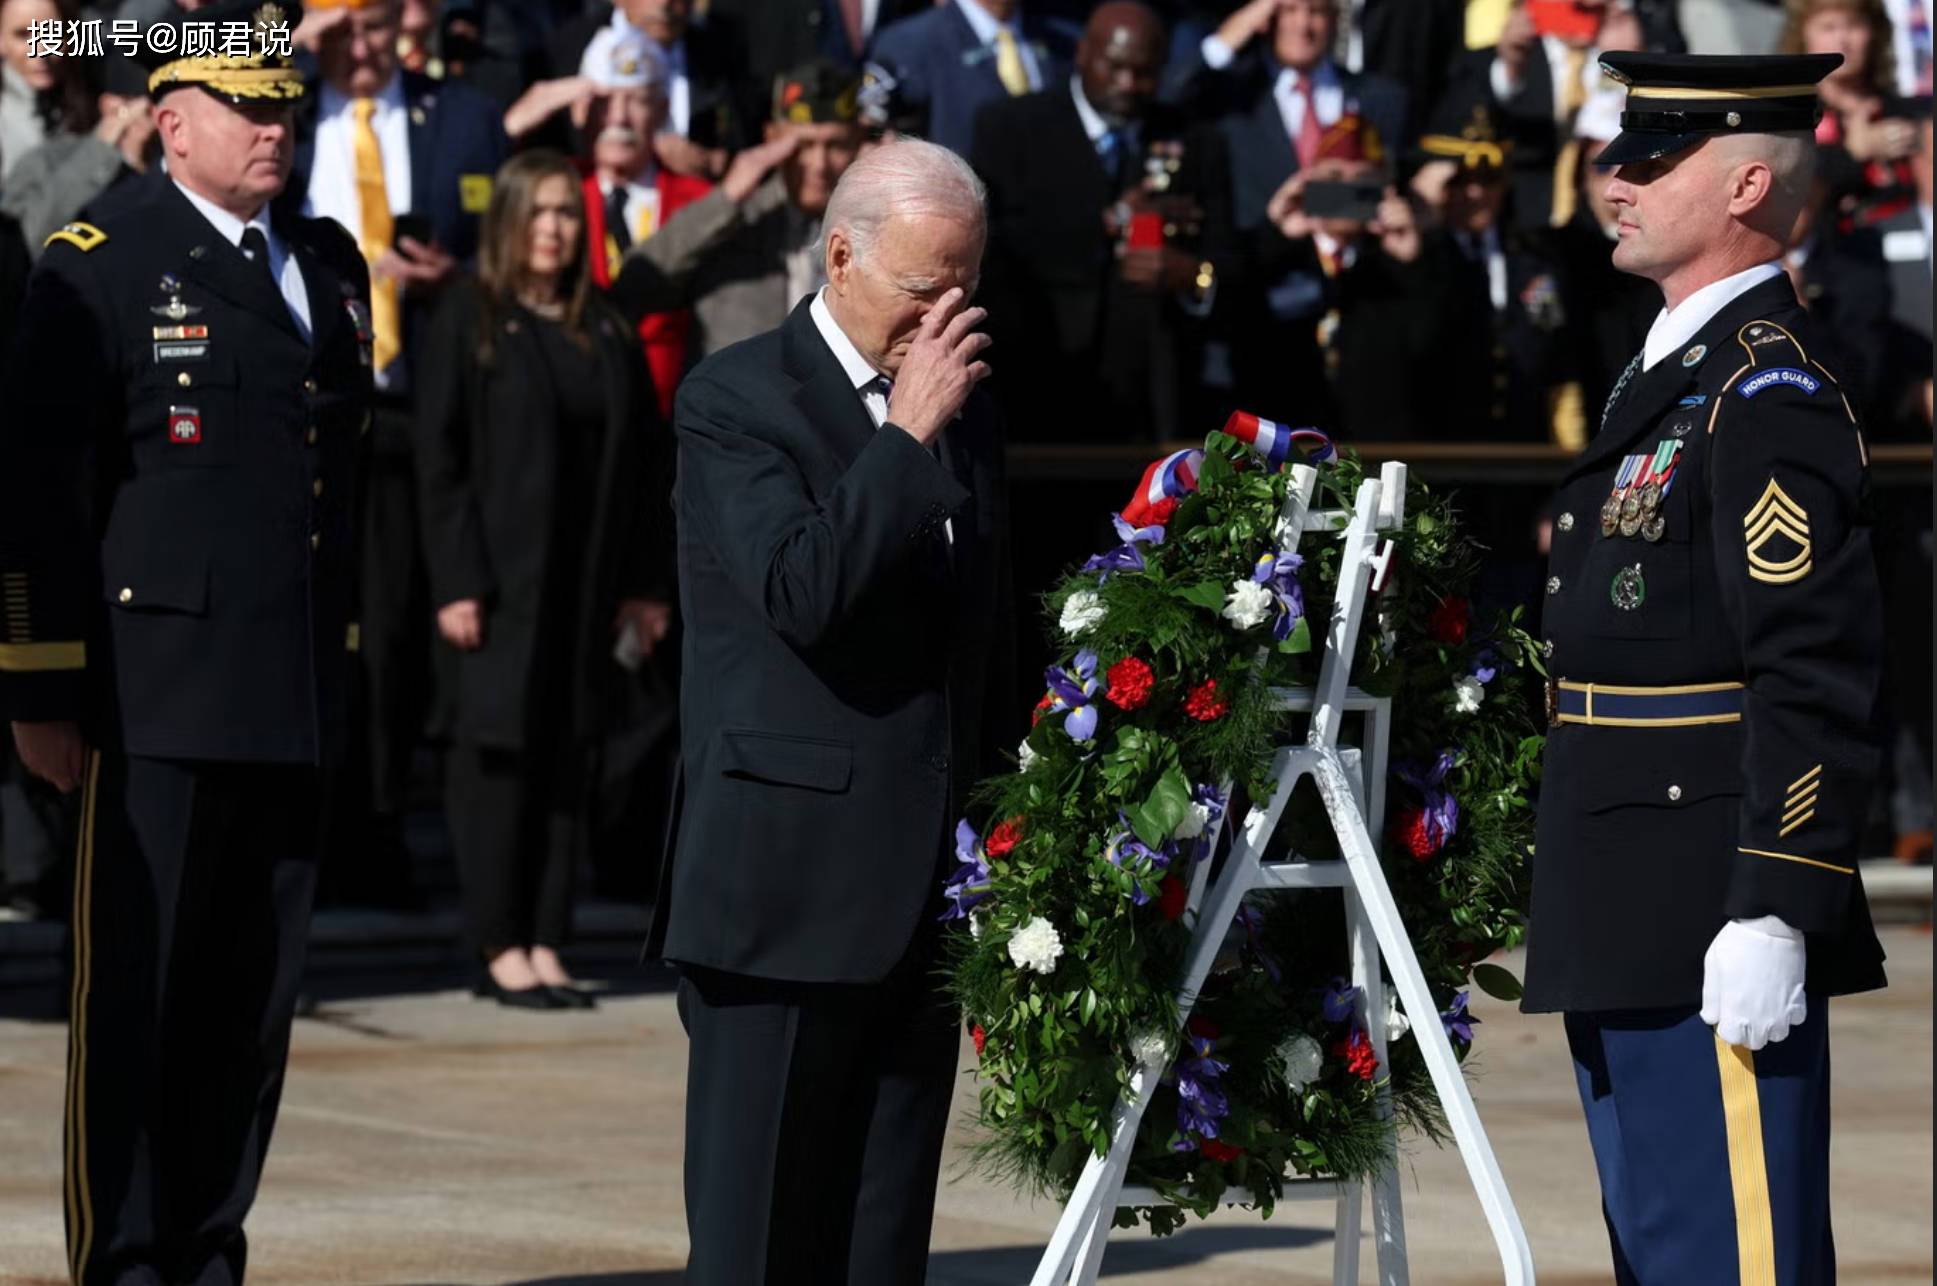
(1006, 1265)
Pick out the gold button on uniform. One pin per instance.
(126, 596)
(315, 540)
(309, 386)
(1674, 793)
(316, 487)
(184, 379)
(1565, 522)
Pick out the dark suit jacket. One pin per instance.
(839, 655)
(1111, 359)
(175, 515)
(947, 74)
(486, 455)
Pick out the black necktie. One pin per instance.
(615, 219)
(256, 246)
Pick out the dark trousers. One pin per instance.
(191, 911)
(814, 1122)
(1714, 1161)
(516, 819)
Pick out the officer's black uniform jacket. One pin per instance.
(1651, 838)
(177, 476)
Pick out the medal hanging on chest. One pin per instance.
(1641, 485)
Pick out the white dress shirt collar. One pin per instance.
(389, 99)
(227, 224)
(283, 268)
(860, 372)
(1323, 77)
(1673, 328)
(1093, 123)
(986, 24)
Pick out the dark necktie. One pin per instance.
(615, 219)
(256, 246)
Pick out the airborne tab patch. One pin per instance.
(82, 236)
(1773, 527)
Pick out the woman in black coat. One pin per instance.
(544, 478)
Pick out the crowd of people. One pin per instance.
(1379, 217)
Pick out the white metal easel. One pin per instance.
(1353, 799)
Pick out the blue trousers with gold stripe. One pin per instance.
(1714, 1161)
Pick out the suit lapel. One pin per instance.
(825, 395)
(418, 106)
(220, 267)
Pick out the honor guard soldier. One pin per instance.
(1712, 631)
(190, 377)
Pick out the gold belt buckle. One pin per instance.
(1552, 694)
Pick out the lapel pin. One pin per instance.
(1694, 355)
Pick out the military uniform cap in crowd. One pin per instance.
(818, 92)
(617, 59)
(264, 74)
(1471, 135)
(1677, 100)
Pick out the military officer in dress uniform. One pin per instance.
(188, 384)
(1712, 629)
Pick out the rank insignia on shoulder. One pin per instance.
(1776, 526)
(82, 236)
(1775, 375)
(1694, 355)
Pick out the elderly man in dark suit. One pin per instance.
(842, 560)
(958, 57)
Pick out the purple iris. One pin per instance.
(1137, 857)
(1279, 574)
(1459, 1024)
(1486, 664)
(1212, 798)
(1200, 1098)
(1251, 920)
(1073, 689)
(1438, 804)
(1341, 1000)
(970, 882)
(1126, 557)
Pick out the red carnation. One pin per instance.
(1358, 1055)
(1415, 830)
(1004, 837)
(1219, 1150)
(1449, 621)
(1130, 681)
(1202, 1026)
(1042, 708)
(1203, 704)
(1172, 894)
(980, 1038)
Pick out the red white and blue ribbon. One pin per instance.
(1274, 441)
(1165, 484)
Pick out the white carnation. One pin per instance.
(1396, 1023)
(1303, 1059)
(1083, 611)
(1025, 756)
(1196, 821)
(1151, 1047)
(1036, 945)
(1248, 605)
(1467, 694)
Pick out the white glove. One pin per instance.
(1752, 982)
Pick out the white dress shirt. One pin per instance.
(332, 176)
(679, 90)
(1674, 327)
(986, 24)
(1094, 123)
(1322, 87)
(282, 265)
(871, 384)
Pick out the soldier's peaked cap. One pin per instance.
(175, 59)
(1677, 100)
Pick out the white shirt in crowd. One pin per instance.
(332, 175)
(282, 265)
(871, 384)
(986, 24)
(1673, 328)
(1322, 88)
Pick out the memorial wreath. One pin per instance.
(1075, 888)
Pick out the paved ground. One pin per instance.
(428, 1138)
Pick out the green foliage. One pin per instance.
(1061, 1047)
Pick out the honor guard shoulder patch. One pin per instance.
(82, 236)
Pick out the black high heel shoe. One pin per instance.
(570, 997)
(536, 997)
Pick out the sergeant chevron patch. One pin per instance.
(1773, 519)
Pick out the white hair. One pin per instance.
(906, 177)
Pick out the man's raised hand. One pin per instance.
(941, 368)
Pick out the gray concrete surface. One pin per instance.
(429, 1138)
